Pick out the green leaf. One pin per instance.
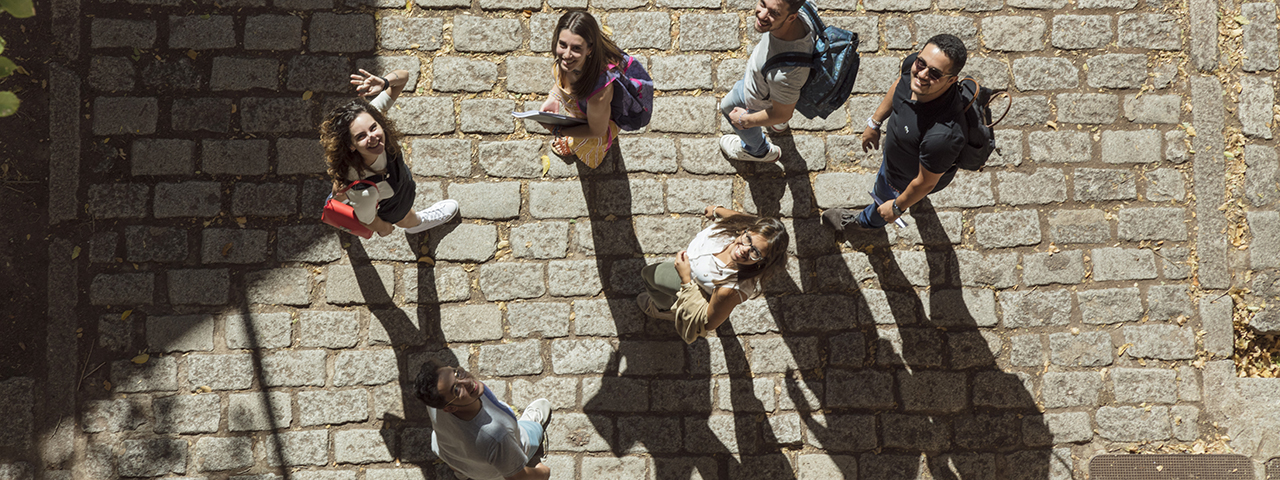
(8, 104)
(6, 67)
(1, 44)
(18, 8)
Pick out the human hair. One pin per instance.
(793, 6)
(603, 51)
(773, 232)
(426, 386)
(953, 48)
(335, 138)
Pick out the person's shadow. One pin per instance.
(891, 381)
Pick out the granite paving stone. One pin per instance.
(1111, 305)
(295, 448)
(540, 240)
(655, 155)
(1112, 70)
(187, 413)
(929, 25)
(1163, 342)
(1060, 147)
(572, 278)
(1133, 423)
(464, 242)
(220, 372)
(405, 33)
(1165, 184)
(1175, 146)
(1150, 31)
(471, 323)
(157, 375)
(633, 30)
(1257, 96)
(153, 457)
(1261, 186)
(1007, 229)
(332, 32)
(110, 74)
(1260, 48)
(1144, 385)
(258, 411)
(478, 34)
(294, 368)
(1071, 389)
(876, 74)
(180, 333)
(1022, 33)
(1078, 226)
(291, 286)
(1152, 108)
(272, 32)
(362, 446)
(1123, 264)
(519, 358)
(237, 74)
(967, 190)
(682, 72)
(1168, 302)
(364, 367)
(318, 74)
(125, 115)
(1066, 267)
(332, 407)
(700, 32)
(163, 157)
(1036, 308)
(201, 114)
(118, 32)
(423, 115)
(1044, 73)
(494, 201)
(1026, 351)
(201, 32)
(214, 454)
(507, 281)
(1130, 146)
(1101, 184)
(683, 114)
(1087, 349)
(464, 74)
(330, 329)
(1046, 185)
(1138, 224)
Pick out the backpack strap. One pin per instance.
(812, 12)
(789, 59)
(1007, 106)
(977, 88)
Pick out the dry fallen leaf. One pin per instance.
(1122, 348)
(75, 252)
(226, 249)
(125, 314)
(546, 165)
(306, 95)
(426, 260)
(141, 359)
(106, 385)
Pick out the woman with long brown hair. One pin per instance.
(360, 143)
(587, 69)
(724, 266)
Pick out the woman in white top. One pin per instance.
(723, 267)
(361, 144)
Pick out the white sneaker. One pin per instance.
(779, 128)
(538, 412)
(731, 146)
(435, 216)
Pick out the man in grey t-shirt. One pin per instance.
(477, 435)
(767, 98)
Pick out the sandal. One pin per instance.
(560, 145)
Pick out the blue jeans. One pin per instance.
(534, 430)
(753, 140)
(870, 216)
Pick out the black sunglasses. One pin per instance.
(933, 73)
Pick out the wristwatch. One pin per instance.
(896, 211)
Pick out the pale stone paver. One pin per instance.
(1068, 299)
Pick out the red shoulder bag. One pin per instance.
(343, 216)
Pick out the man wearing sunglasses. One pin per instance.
(769, 98)
(476, 434)
(924, 134)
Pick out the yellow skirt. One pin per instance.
(592, 150)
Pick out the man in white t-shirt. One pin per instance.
(476, 434)
(769, 98)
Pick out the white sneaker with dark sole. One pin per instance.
(538, 412)
(435, 215)
(731, 146)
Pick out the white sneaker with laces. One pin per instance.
(538, 412)
(731, 146)
(435, 216)
(779, 128)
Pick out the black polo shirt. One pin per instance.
(929, 134)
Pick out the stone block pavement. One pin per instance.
(1069, 300)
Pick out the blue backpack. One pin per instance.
(632, 104)
(833, 67)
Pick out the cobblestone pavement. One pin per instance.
(1070, 300)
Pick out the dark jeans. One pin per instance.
(870, 216)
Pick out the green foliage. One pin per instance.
(8, 104)
(19, 9)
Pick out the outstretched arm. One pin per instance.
(540, 472)
(369, 84)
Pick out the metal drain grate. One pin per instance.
(1171, 467)
(1273, 469)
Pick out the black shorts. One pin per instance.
(397, 207)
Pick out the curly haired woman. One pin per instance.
(360, 143)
